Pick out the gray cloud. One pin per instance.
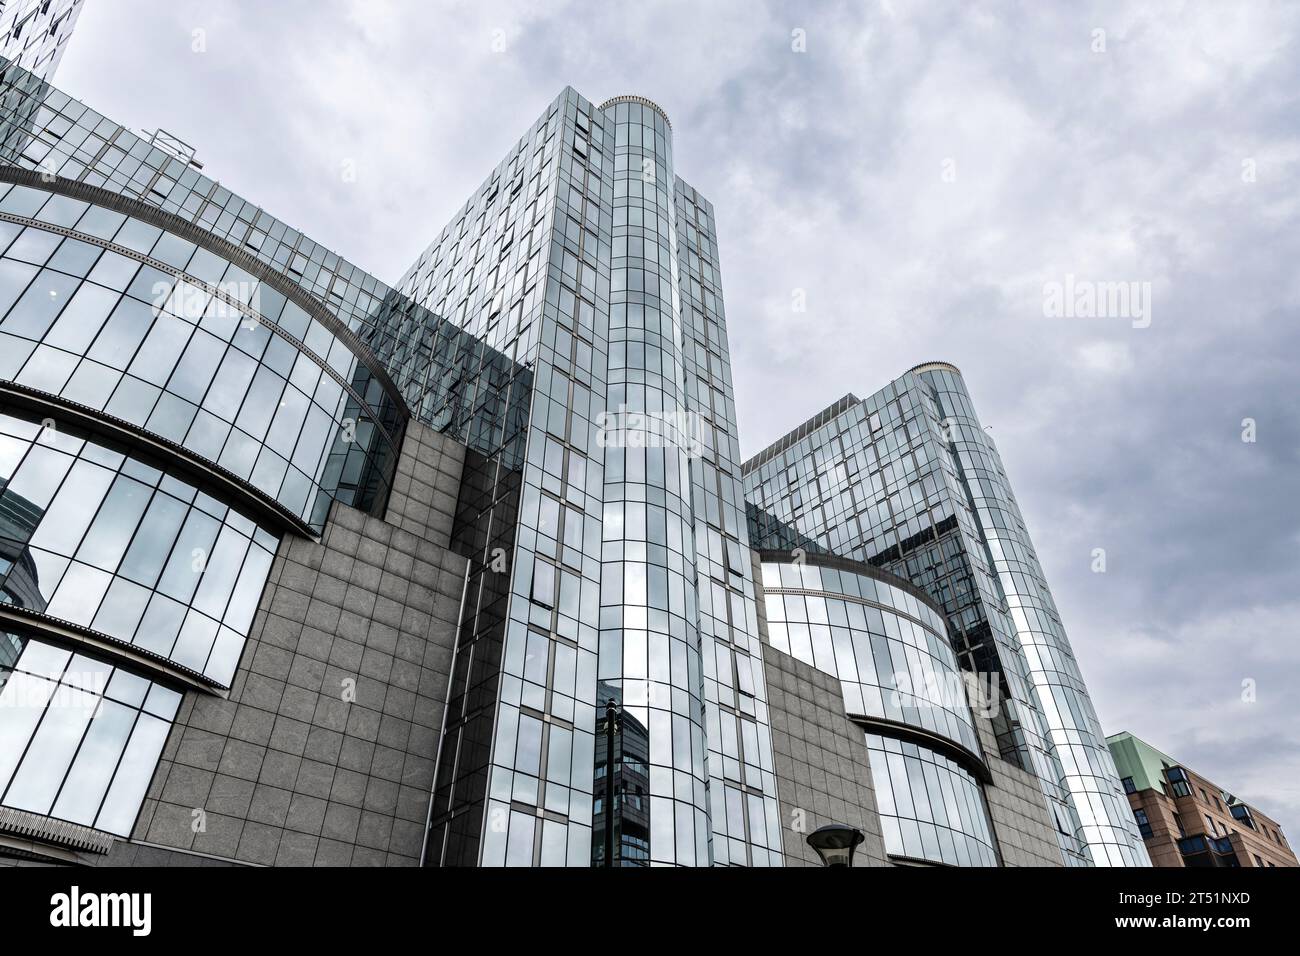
(826, 171)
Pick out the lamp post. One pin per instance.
(835, 843)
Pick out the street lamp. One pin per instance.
(835, 843)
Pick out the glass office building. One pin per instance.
(237, 472)
(908, 481)
(585, 259)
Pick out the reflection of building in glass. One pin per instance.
(18, 519)
(11, 646)
(631, 790)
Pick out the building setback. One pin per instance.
(1188, 821)
(334, 572)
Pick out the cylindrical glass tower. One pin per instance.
(649, 657)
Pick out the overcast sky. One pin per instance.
(920, 171)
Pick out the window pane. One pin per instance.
(88, 780)
(111, 532)
(133, 775)
(47, 759)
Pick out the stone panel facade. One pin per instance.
(822, 770)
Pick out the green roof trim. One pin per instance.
(1136, 758)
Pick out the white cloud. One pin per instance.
(1105, 357)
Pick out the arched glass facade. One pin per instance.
(901, 681)
(103, 537)
(79, 738)
(888, 648)
(109, 311)
(165, 417)
(931, 809)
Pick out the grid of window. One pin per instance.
(605, 539)
(44, 129)
(450, 376)
(80, 738)
(742, 785)
(105, 539)
(890, 650)
(185, 345)
(447, 376)
(930, 808)
(518, 272)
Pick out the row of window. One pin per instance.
(930, 808)
(470, 275)
(107, 540)
(99, 328)
(1181, 785)
(74, 142)
(890, 666)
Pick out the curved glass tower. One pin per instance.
(1086, 770)
(587, 261)
(650, 641)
